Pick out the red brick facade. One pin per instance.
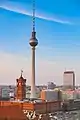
(21, 88)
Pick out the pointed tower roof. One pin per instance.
(21, 77)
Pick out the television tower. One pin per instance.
(33, 43)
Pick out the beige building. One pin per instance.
(50, 95)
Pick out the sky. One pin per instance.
(58, 34)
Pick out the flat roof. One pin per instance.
(68, 72)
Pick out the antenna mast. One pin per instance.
(33, 16)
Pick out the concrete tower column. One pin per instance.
(33, 43)
(33, 91)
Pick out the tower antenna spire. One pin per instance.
(33, 43)
(33, 16)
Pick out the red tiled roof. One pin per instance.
(11, 113)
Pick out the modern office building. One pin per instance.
(69, 80)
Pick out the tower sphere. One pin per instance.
(33, 41)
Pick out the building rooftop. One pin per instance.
(29, 100)
(11, 113)
(67, 72)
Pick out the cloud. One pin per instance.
(46, 70)
(11, 64)
(17, 9)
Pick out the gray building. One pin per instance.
(51, 85)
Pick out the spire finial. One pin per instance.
(21, 72)
(33, 16)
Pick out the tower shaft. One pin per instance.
(33, 91)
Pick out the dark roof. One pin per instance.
(67, 72)
(21, 78)
(4, 99)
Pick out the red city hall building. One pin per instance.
(20, 109)
(21, 88)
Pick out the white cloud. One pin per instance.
(10, 66)
(24, 12)
(46, 70)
